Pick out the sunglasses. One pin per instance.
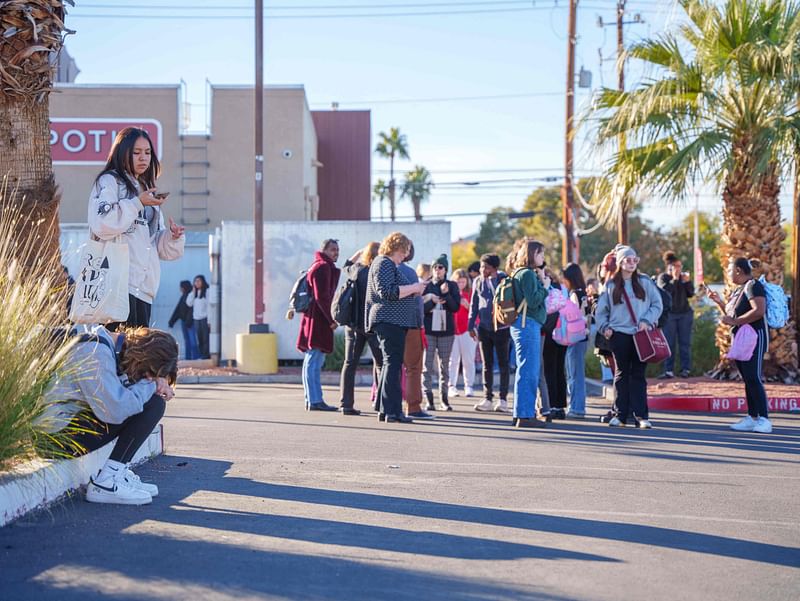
(630, 260)
(438, 266)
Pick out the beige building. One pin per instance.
(210, 175)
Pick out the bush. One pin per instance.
(34, 298)
(335, 360)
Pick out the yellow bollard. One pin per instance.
(257, 353)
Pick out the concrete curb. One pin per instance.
(328, 379)
(37, 484)
(705, 404)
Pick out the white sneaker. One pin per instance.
(614, 421)
(468, 392)
(452, 392)
(746, 424)
(484, 405)
(118, 492)
(645, 424)
(763, 426)
(136, 482)
(501, 406)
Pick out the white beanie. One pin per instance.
(624, 251)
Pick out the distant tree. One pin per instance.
(681, 239)
(379, 192)
(417, 187)
(390, 146)
(497, 232)
(463, 254)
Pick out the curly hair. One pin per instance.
(394, 242)
(149, 354)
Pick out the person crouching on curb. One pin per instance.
(615, 323)
(99, 405)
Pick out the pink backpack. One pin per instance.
(744, 343)
(571, 325)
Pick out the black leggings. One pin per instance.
(629, 378)
(138, 316)
(130, 434)
(553, 359)
(751, 374)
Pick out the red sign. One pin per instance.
(88, 141)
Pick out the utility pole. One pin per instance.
(569, 247)
(795, 313)
(258, 209)
(622, 217)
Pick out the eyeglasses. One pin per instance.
(630, 260)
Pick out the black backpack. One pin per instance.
(666, 301)
(299, 299)
(343, 307)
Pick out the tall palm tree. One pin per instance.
(379, 191)
(720, 108)
(31, 36)
(417, 187)
(391, 146)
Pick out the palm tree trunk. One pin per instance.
(25, 161)
(417, 201)
(391, 187)
(751, 228)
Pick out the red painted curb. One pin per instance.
(707, 404)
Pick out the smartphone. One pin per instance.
(161, 195)
(703, 287)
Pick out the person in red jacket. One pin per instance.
(317, 326)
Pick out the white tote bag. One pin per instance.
(101, 285)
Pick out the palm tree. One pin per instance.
(379, 191)
(389, 147)
(417, 187)
(32, 37)
(720, 108)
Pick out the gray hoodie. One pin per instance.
(90, 379)
(618, 318)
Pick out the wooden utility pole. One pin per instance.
(795, 312)
(258, 205)
(622, 217)
(569, 247)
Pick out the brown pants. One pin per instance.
(412, 359)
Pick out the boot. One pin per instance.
(430, 406)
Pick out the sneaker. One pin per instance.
(529, 422)
(574, 415)
(645, 424)
(684, 373)
(452, 391)
(421, 415)
(746, 424)
(444, 407)
(118, 492)
(430, 407)
(484, 405)
(667, 375)
(501, 406)
(763, 426)
(469, 392)
(614, 421)
(136, 482)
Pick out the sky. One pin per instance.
(477, 87)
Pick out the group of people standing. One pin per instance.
(192, 311)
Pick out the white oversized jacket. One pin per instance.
(114, 212)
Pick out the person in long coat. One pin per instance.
(317, 326)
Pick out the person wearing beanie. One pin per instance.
(442, 301)
(613, 316)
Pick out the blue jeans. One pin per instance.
(527, 351)
(312, 367)
(576, 377)
(678, 331)
(189, 341)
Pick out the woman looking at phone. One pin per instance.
(124, 205)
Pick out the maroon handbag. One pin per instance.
(651, 345)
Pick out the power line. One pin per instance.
(439, 99)
(249, 7)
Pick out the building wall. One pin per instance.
(210, 177)
(344, 149)
(88, 101)
(289, 248)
